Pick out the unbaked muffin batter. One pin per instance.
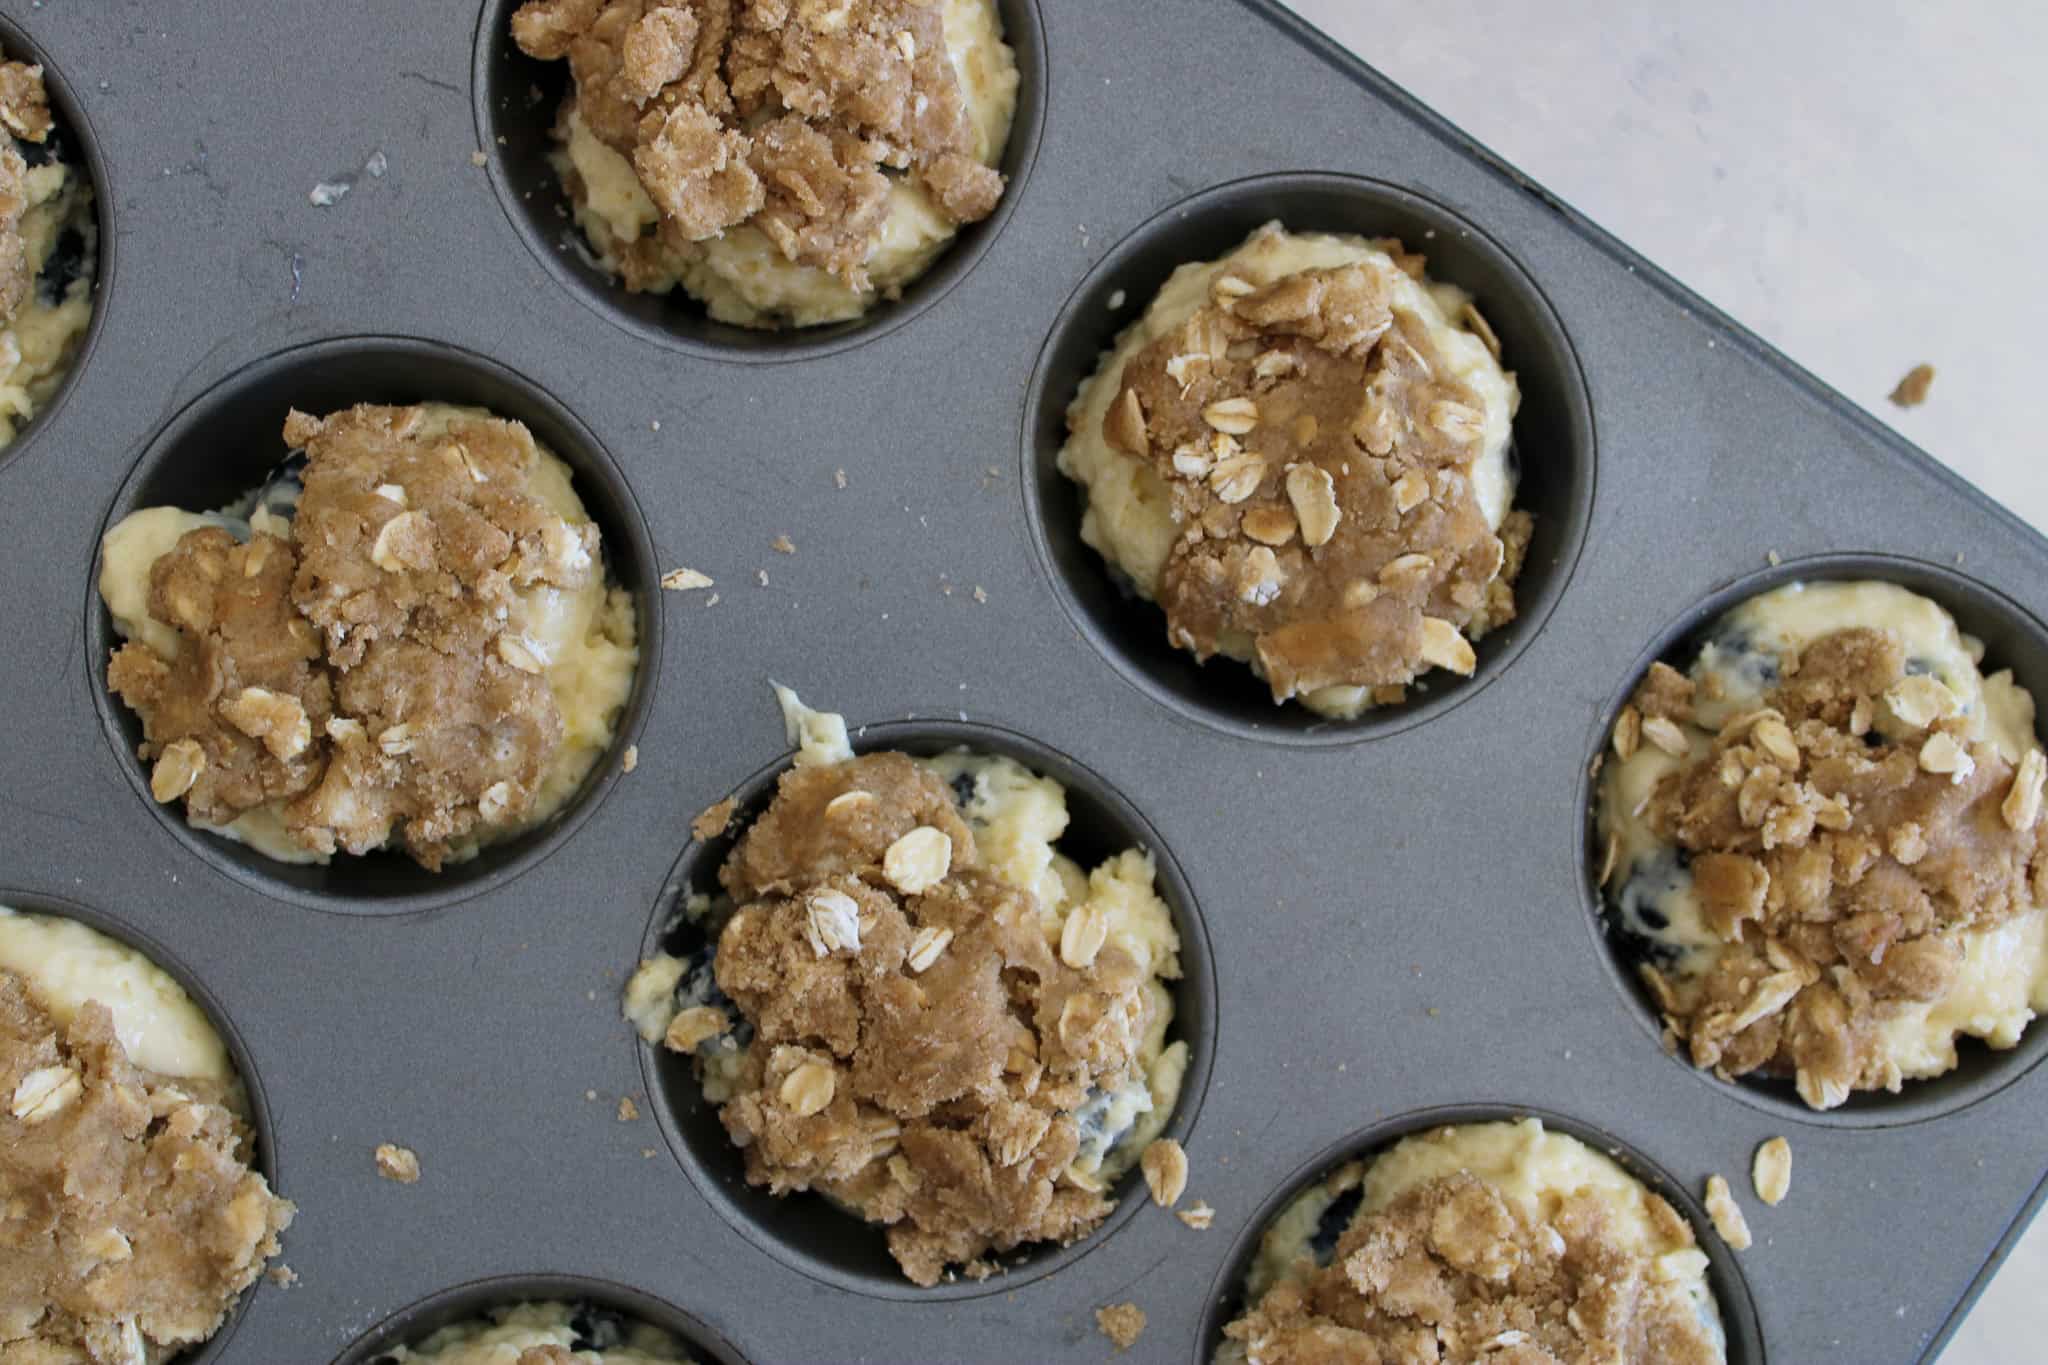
(787, 164)
(49, 248)
(544, 1334)
(411, 643)
(910, 1001)
(1301, 453)
(133, 1219)
(1822, 841)
(1487, 1241)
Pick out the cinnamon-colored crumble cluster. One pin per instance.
(920, 1045)
(132, 1219)
(784, 114)
(369, 672)
(1316, 449)
(1451, 1271)
(1843, 839)
(25, 113)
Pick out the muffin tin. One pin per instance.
(1389, 923)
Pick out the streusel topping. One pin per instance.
(1843, 839)
(134, 1220)
(1452, 1271)
(779, 113)
(920, 1046)
(375, 668)
(1316, 448)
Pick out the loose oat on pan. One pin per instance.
(134, 1219)
(1826, 854)
(1301, 455)
(786, 163)
(909, 1001)
(411, 643)
(1495, 1242)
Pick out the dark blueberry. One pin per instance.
(1092, 1118)
(1126, 586)
(963, 790)
(1330, 1227)
(596, 1329)
(1655, 919)
(56, 147)
(65, 263)
(698, 985)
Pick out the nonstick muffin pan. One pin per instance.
(1388, 923)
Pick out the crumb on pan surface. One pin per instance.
(1822, 843)
(49, 249)
(412, 644)
(1300, 452)
(1496, 1241)
(910, 1001)
(786, 164)
(135, 1221)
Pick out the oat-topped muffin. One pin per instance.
(786, 162)
(546, 1333)
(909, 1001)
(49, 247)
(1495, 1242)
(133, 1218)
(1301, 453)
(410, 643)
(1823, 842)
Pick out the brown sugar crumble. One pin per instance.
(400, 1165)
(776, 114)
(1313, 442)
(920, 1046)
(1912, 391)
(1122, 1323)
(134, 1220)
(1451, 1263)
(714, 820)
(25, 113)
(1840, 861)
(628, 1111)
(363, 671)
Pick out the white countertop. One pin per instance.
(1857, 183)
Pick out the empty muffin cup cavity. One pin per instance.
(332, 724)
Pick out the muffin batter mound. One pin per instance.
(49, 238)
(1302, 459)
(902, 1023)
(787, 163)
(544, 1334)
(1497, 1242)
(400, 662)
(1825, 838)
(134, 1220)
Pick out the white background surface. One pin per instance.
(1861, 183)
